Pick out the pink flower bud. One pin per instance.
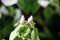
(30, 19)
(22, 19)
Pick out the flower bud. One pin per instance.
(30, 19)
(22, 19)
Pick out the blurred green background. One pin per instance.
(47, 19)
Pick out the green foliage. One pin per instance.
(24, 30)
(11, 11)
(34, 7)
(25, 5)
(34, 34)
(28, 5)
(54, 2)
(48, 12)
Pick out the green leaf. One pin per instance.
(21, 4)
(17, 38)
(35, 6)
(28, 5)
(27, 33)
(48, 12)
(34, 34)
(25, 5)
(22, 30)
(54, 2)
(11, 10)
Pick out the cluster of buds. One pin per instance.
(30, 19)
(14, 33)
(23, 30)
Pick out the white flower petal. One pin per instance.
(22, 19)
(9, 2)
(30, 19)
(43, 3)
(17, 15)
(4, 10)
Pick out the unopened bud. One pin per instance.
(30, 19)
(22, 19)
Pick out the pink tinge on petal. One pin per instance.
(22, 19)
(30, 19)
